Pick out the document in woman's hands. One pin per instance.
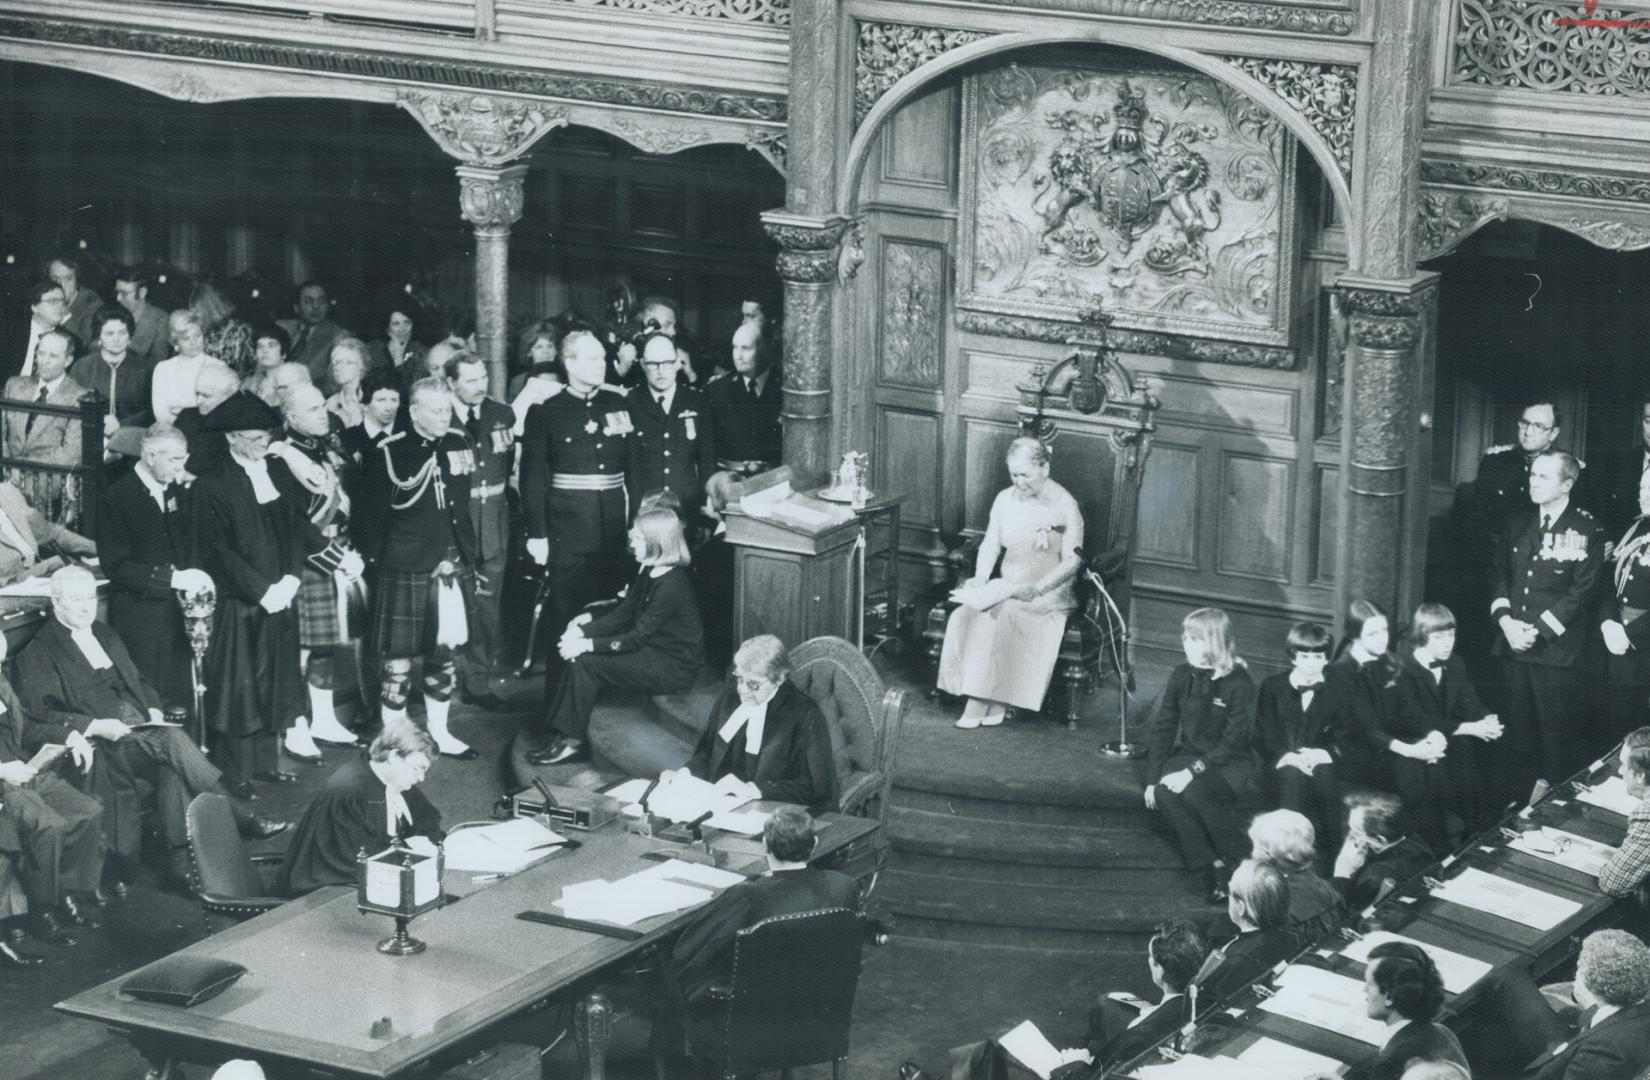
(983, 597)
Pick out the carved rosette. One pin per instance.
(491, 198)
(479, 129)
(1326, 95)
(807, 246)
(1445, 218)
(887, 52)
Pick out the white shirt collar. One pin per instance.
(258, 472)
(1556, 510)
(1603, 1012)
(90, 648)
(664, 397)
(51, 387)
(372, 427)
(156, 488)
(754, 719)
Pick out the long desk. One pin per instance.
(1227, 1030)
(316, 986)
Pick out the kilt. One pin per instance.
(318, 624)
(405, 622)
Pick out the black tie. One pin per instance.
(1546, 522)
(660, 398)
(40, 399)
(300, 341)
(472, 424)
(750, 387)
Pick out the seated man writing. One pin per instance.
(364, 805)
(80, 688)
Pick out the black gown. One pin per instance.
(346, 817)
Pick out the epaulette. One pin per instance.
(716, 378)
(1498, 449)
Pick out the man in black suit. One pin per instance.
(745, 409)
(674, 448)
(147, 547)
(47, 310)
(1379, 855)
(1546, 571)
(1258, 905)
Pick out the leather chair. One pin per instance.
(865, 718)
(791, 998)
(225, 876)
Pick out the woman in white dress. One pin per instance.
(172, 387)
(1002, 641)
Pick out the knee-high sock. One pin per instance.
(298, 739)
(435, 718)
(323, 721)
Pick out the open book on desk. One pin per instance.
(771, 499)
(503, 848)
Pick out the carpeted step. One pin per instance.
(1032, 763)
(1109, 951)
(1165, 874)
(1127, 844)
(1134, 903)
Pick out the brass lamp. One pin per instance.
(401, 883)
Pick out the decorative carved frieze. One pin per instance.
(491, 197)
(1149, 343)
(1522, 44)
(1326, 95)
(1380, 319)
(1615, 235)
(351, 63)
(887, 52)
(772, 144)
(1340, 19)
(655, 135)
(482, 130)
(1535, 181)
(911, 301)
(766, 12)
(1445, 218)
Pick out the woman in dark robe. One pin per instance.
(364, 805)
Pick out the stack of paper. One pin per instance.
(1507, 899)
(1326, 1000)
(48, 753)
(1611, 795)
(1282, 1060)
(1565, 849)
(1031, 1048)
(690, 873)
(681, 797)
(1198, 1067)
(499, 849)
(629, 900)
(1458, 972)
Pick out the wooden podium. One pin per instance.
(795, 576)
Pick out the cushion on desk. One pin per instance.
(183, 980)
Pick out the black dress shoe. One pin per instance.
(559, 752)
(254, 827)
(910, 1070)
(328, 742)
(469, 753)
(76, 915)
(12, 957)
(490, 702)
(46, 927)
(276, 776)
(307, 759)
(241, 790)
(15, 935)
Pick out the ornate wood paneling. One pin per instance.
(1228, 405)
(911, 303)
(918, 142)
(1527, 44)
(992, 376)
(907, 458)
(1327, 500)
(1169, 502)
(984, 444)
(1253, 531)
(760, 12)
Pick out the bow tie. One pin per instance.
(1437, 665)
(1303, 688)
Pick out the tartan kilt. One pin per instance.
(318, 625)
(405, 617)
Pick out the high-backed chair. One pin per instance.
(790, 1000)
(225, 875)
(865, 718)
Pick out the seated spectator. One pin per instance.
(80, 302)
(313, 331)
(1002, 640)
(349, 367)
(1436, 1070)
(31, 546)
(1283, 839)
(47, 309)
(364, 805)
(703, 954)
(1367, 663)
(381, 407)
(286, 378)
(1379, 854)
(151, 338)
(112, 368)
(1404, 990)
(1597, 1028)
(227, 338)
(650, 641)
(1259, 907)
(172, 388)
(1201, 757)
(1305, 726)
(768, 733)
(270, 346)
(713, 572)
(1630, 865)
(57, 831)
(397, 346)
(47, 440)
(80, 688)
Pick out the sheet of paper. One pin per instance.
(153, 724)
(686, 798)
(1611, 795)
(629, 900)
(34, 586)
(1326, 1000)
(693, 874)
(1458, 972)
(1198, 1067)
(630, 791)
(1508, 899)
(1565, 849)
(47, 754)
(1032, 1049)
(986, 596)
(1290, 1062)
(743, 822)
(503, 848)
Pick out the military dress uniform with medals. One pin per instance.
(674, 451)
(573, 459)
(1545, 574)
(412, 521)
(490, 428)
(1628, 603)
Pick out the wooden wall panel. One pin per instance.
(1254, 526)
(919, 146)
(1228, 404)
(1168, 521)
(992, 377)
(985, 442)
(1327, 503)
(911, 309)
(907, 458)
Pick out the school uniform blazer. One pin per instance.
(1332, 722)
(795, 763)
(1423, 704)
(1211, 720)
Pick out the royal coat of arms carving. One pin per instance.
(1167, 198)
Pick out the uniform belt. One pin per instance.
(487, 491)
(586, 481)
(1631, 614)
(745, 467)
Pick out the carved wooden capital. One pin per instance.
(807, 245)
(491, 197)
(479, 129)
(1388, 318)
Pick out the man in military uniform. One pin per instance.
(1613, 496)
(329, 585)
(575, 447)
(1545, 571)
(1502, 489)
(490, 428)
(412, 520)
(674, 448)
(1624, 619)
(745, 408)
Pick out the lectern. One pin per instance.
(798, 563)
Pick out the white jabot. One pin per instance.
(754, 718)
(395, 809)
(91, 650)
(262, 486)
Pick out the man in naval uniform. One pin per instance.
(412, 520)
(674, 448)
(1624, 620)
(489, 426)
(574, 450)
(1545, 571)
(1502, 489)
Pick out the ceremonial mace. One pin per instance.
(198, 606)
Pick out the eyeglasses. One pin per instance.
(658, 363)
(1534, 425)
(747, 682)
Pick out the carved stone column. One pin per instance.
(808, 265)
(491, 198)
(1389, 321)
(1398, 82)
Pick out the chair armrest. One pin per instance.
(241, 905)
(854, 798)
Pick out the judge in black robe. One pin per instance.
(253, 541)
(351, 814)
(793, 761)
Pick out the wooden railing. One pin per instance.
(66, 494)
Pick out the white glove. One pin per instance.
(352, 565)
(1615, 638)
(80, 748)
(191, 580)
(538, 549)
(16, 772)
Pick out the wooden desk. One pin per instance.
(315, 984)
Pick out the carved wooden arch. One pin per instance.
(1447, 216)
(908, 86)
